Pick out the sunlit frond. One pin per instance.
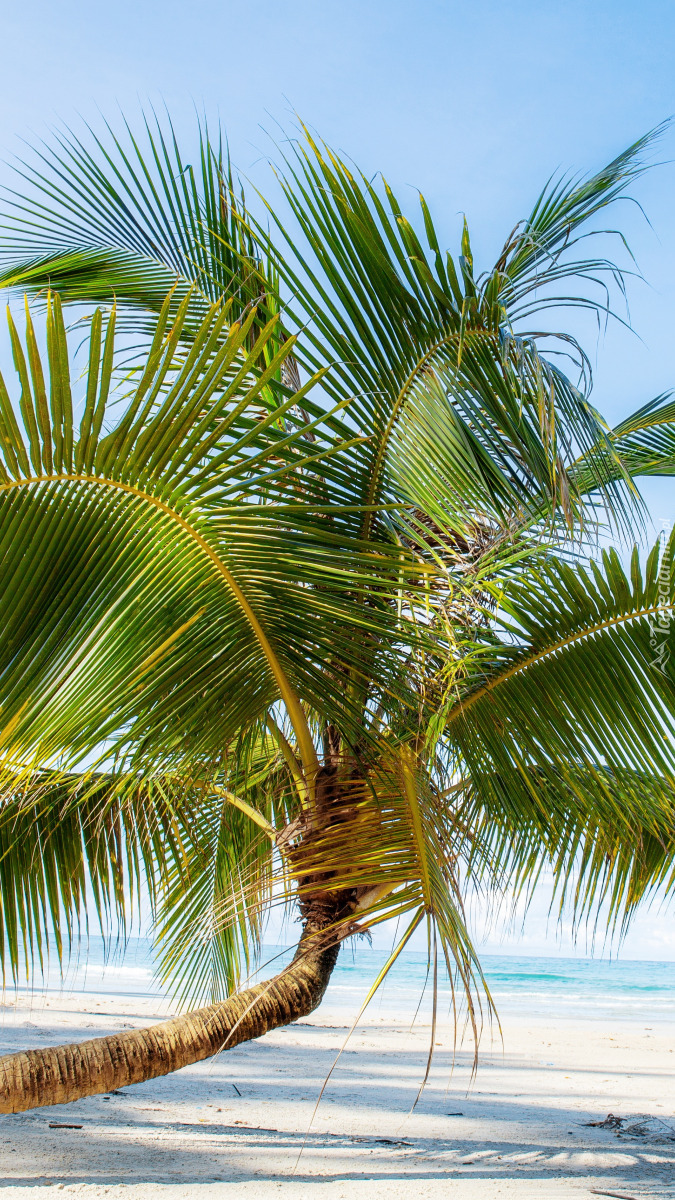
(120, 218)
(567, 731)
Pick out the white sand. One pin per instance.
(517, 1131)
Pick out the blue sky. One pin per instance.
(474, 103)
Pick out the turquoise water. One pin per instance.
(569, 988)
(597, 989)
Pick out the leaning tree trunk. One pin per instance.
(60, 1074)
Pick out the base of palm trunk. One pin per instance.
(60, 1074)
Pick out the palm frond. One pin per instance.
(73, 847)
(645, 441)
(537, 253)
(136, 560)
(566, 730)
(211, 913)
(120, 218)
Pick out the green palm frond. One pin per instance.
(566, 731)
(94, 494)
(643, 444)
(127, 216)
(70, 844)
(212, 910)
(154, 551)
(123, 218)
(97, 277)
(645, 441)
(89, 848)
(537, 254)
(209, 926)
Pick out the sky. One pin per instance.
(475, 104)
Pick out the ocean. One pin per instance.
(565, 988)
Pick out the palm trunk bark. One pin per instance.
(60, 1074)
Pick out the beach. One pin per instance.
(246, 1124)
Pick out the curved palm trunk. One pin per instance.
(60, 1074)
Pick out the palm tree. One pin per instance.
(328, 642)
